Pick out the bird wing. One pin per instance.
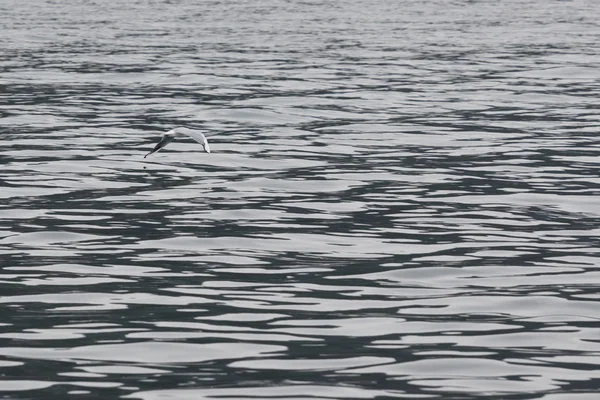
(166, 139)
(196, 135)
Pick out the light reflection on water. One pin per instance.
(400, 202)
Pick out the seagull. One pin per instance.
(167, 137)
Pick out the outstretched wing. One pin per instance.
(196, 135)
(166, 139)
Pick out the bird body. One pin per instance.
(167, 137)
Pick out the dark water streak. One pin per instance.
(401, 201)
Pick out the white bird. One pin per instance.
(167, 137)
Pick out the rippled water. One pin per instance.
(402, 200)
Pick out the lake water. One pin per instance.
(401, 202)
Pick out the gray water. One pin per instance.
(401, 202)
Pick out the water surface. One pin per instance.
(401, 202)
